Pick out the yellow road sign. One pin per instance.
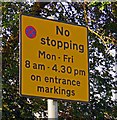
(53, 59)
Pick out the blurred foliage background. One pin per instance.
(101, 20)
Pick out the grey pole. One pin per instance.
(52, 109)
(52, 104)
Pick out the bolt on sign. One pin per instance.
(53, 59)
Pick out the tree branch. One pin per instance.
(92, 31)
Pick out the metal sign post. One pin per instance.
(52, 109)
(62, 74)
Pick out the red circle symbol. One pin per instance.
(30, 32)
